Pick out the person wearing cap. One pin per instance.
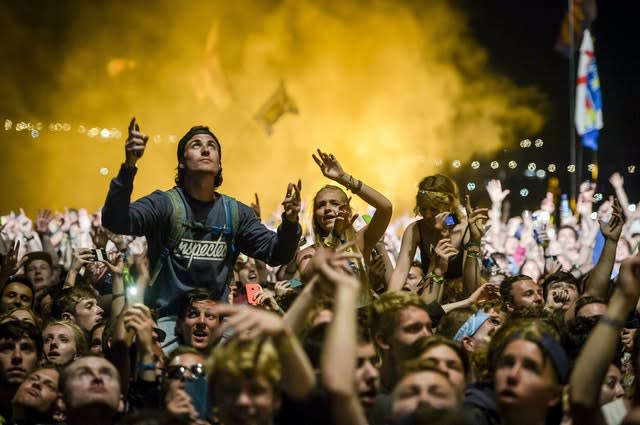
(529, 368)
(205, 253)
(39, 269)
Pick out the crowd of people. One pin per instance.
(183, 307)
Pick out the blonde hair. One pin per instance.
(80, 338)
(241, 358)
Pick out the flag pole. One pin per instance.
(572, 87)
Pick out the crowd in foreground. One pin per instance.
(183, 307)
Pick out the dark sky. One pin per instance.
(520, 38)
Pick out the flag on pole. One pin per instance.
(588, 116)
(583, 13)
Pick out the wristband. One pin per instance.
(472, 243)
(114, 296)
(144, 367)
(473, 254)
(435, 278)
(618, 324)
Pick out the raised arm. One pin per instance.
(477, 218)
(298, 378)
(617, 181)
(410, 240)
(598, 281)
(43, 218)
(338, 361)
(332, 169)
(600, 348)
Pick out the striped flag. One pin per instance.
(588, 116)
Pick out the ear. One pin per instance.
(509, 306)
(467, 344)
(180, 165)
(68, 316)
(382, 342)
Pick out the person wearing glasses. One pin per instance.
(185, 387)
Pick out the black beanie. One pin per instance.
(198, 129)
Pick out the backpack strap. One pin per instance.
(178, 227)
(231, 221)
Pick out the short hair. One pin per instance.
(181, 350)
(18, 329)
(424, 365)
(38, 255)
(507, 285)
(241, 358)
(559, 276)
(69, 299)
(22, 279)
(423, 345)
(384, 310)
(64, 374)
(28, 310)
(186, 300)
(82, 346)
(585, 300)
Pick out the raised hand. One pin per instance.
(256, 206)
(135, 144)
(292, 202)
(10, 261)
(494, 189)
(43, 218)
(282, 287)
(444, 252)
(138, 319)
(247, 321)
(477, 217)
(115, 263)
(613, 228)
(616, 180)
(559, 300)
(266, 300)
(25, 225)
(329, 165)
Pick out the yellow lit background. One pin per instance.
(386, 86)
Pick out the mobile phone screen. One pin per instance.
(252, 289)
(295, 283)
(198, 391)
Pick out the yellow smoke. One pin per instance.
(386, 87)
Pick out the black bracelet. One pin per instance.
(618, 324)
(114, 296)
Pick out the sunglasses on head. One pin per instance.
(159, 335)
(179, 372)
